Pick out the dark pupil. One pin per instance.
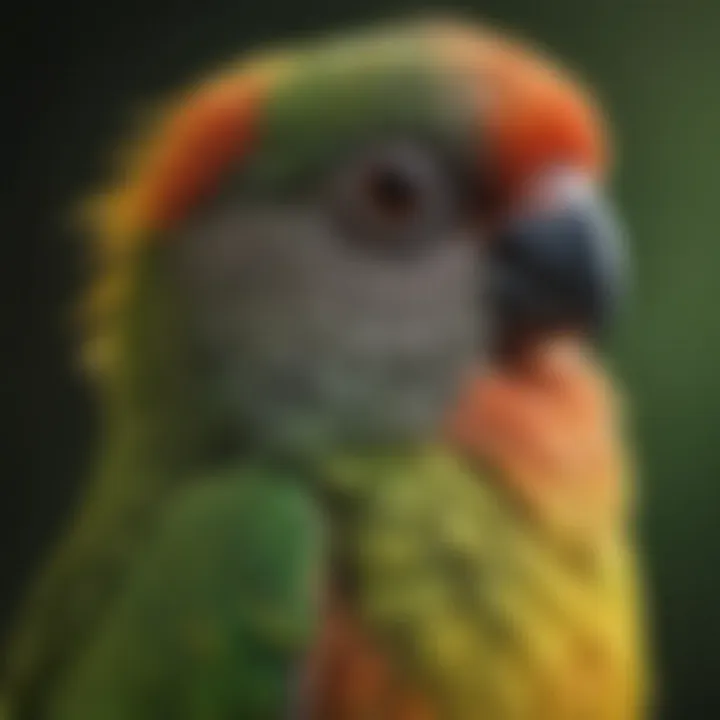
(391, 193)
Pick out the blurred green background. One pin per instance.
(76, 69)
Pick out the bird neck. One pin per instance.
(152, 412)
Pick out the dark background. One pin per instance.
(76, 69)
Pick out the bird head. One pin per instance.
(352, 224)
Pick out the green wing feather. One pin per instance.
(214, 619)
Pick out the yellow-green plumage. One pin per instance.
(487, 613)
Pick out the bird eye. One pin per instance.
(395, 197)
(391, 194)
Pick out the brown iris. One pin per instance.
(391, 194)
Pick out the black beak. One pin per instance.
(559, 265)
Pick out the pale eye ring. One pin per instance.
(396, 197)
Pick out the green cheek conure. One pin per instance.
(358, 459)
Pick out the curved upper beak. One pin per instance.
(559, 263)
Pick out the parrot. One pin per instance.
(359, 455)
